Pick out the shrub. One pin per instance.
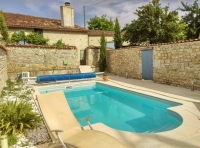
(3, 28)
(60, 43)
(18, 116)
(102, 59)
(18, 36)
(36, 38)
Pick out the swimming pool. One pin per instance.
(120, 109)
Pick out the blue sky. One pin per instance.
(122, 9)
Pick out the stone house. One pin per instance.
(55, 29)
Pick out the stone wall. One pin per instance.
(3, 67)
(125, 62)
(92, 57)
(40, 60)
(75, 38)
(176, 64)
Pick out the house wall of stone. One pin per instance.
(3, 68)
(176, 64)
(95, 40)
(40, 60)
(78, 39)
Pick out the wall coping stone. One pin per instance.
(93, 47)
(2, 47)
(40, 46)
(149, 45)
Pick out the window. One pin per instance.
(110, 45)
(40, 31)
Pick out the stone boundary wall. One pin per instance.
(125, 62)
(3, 67)
(176, 64)
(41, 60)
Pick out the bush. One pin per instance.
(18, 36)
(60, 43)
(18, 116)
(36, 38)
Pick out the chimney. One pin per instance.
(67, 15)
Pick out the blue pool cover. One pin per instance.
(62, 77)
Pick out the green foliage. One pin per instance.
(105, 73)
(12, 139)
(101, 23)
(36, 38)
(192, 18)
(18, 36)
(18, 116)
(102, 59)
(15, 89)
(155, 24)
(3, 28)
(117, 35)
(60, 43)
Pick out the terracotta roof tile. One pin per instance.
(21, 20)
(2, 47)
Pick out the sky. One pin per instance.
(121, 9)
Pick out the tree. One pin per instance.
(101, 23)
(102, 59)
(36, 38)
(192, 18)
(117, 35)
(3, 28)
(155, 24)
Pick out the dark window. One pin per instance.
(40, 31)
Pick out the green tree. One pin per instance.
(117, 35)
(102, 59)
(36, 38)
(101, 23)
(192, 18)
(3, 28)
(18, 36)
(155, 24)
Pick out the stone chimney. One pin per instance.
(67, 15)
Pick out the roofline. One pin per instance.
(49, 28)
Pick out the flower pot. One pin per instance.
(105, 78)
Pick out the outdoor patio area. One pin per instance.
(187, 135)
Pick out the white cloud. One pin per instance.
(122, 9)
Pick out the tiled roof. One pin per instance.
(2, 47)
(27, 21)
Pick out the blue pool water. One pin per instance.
(120, 109)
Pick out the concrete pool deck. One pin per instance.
(187, 135)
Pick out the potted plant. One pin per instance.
(105, 76)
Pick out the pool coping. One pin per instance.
(188, 131)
